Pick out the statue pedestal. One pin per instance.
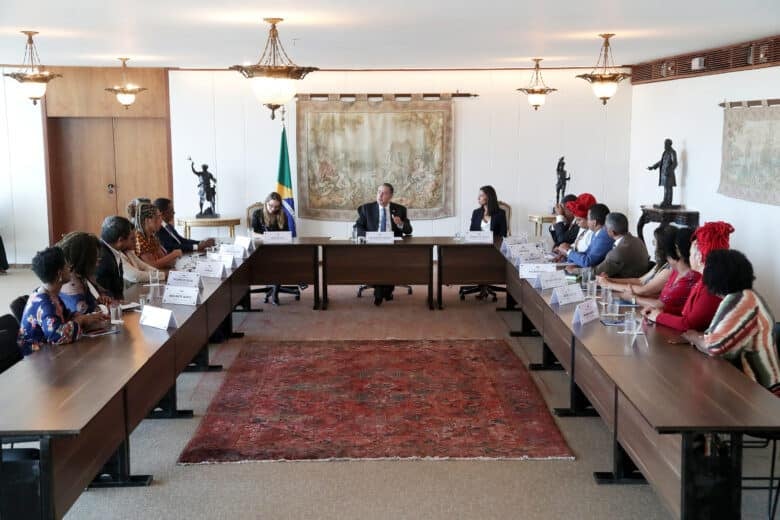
(670, 206)
(666, 215)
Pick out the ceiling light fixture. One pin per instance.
(273, 77)
(603, 78)
(126, 92)
(32, 76)
(537, 90)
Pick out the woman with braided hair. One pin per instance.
(147, 221)
(82, 293)
(701, 304)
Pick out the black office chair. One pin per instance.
(17, 307)
(271, 292)
(774, 482)
(485, 291)
(9, 350)
(364, 287)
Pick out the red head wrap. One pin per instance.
(711, 236)
(581, 206)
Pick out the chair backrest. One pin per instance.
(508, 210)
(251, 211)
(9, 351)
(776, 330)
(17, 307)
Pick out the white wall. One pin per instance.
(687, 111)
(24, 222)
(499, 140)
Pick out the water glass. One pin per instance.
(629, 322)
(116, 312)
(587, 273)
(606, 293)
(154, 277)
(591, 289)
(613, 308)
(141, 302)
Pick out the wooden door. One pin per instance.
(81, 170)
(142, 160)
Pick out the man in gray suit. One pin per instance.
(628, 257)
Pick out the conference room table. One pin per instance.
(659, 400)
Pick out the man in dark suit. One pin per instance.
(383, 215)
(565, 228)
(169, 237)
(628, 257)
(115, 236)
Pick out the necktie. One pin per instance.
(121, 269)
(382, 220)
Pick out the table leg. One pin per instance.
(579, 405)
(200, 363)
(439, 271)
(232, 231)
(549, 362)
(316, 266)
(186, 230)
(168, 408)
(116, 472)
(640, 225)
(26, 487)
(711, 478)
(430, 279)
(324, 303)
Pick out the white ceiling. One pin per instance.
(377, 34)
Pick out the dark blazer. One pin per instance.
(108, 275)
(562, 232)
(174, 240)
(368, 219)
(497, 222)
(628, 259)
(258, 224)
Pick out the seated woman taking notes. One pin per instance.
(45, 318)
(271, 217)
(489, 216)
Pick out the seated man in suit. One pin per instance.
(383, 215)
(565, 228)
(600, 244)
(169, 237)
(628, 257)
(115, 237)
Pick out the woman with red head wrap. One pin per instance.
(701, 304)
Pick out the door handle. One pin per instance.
(110, 187)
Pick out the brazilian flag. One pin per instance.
(284, 184)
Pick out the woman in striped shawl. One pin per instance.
(742, 329)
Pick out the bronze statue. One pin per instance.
(666, 177)
(207, 190)
(560, 186)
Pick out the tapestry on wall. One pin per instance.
(751, 154)
(348, 148)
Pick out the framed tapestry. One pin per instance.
(751, 154)
(348, 148)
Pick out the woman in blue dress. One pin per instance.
(45, 318)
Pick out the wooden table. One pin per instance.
(191, 222)
(678, 215)
(539, 222)
(468, 263)
(294, 263)
(408, 261)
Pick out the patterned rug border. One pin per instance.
(250, 343)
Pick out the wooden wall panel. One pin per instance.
(81, 165)
(80, 92)
(142, 159)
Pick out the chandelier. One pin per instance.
(126, 92)
(32, 77)
(273, 77)
(537, 90)
(603, 78)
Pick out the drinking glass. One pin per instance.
(591, 289)
(154, 277)
(613, 308)
(586, 276)
(141, 302)
(606, 293)
(629, 322)
(116, 312)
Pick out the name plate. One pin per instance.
(277, 237)
(567, 294)
(550, 280)
(245, 242)
(379, 237)
(533, 270)
(233, 249)
(158, 318)
(184, 279)
(479, 237)
(211, 268)
(228, 260)
(181, 295)
(586, 312)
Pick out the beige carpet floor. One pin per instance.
(372, 489)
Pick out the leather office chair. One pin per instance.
(271, 292)
(9, 350)
(17, 307)
(484, 291)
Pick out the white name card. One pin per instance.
(585, 312)
(211, 268)
(379, 237)
(550, 280)
(181, 295)
(522, 238)
(567, 294)
(277, 237)
(158, 318)
(479, 237)
(533, 270)
(245, 242)
(228, 260)
(233, 249)
(184, 279)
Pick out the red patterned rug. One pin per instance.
(375, 400)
